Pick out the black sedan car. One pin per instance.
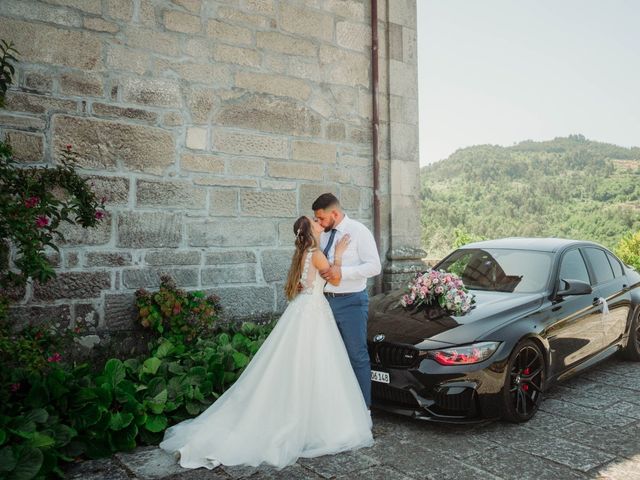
(545, 309)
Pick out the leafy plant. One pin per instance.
(7, 70)
(175, 312)
(628, 249)
(33, 204)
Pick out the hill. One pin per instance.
(567, 187)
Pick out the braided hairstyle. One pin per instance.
(303, 230)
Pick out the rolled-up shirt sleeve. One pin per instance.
(368, 253)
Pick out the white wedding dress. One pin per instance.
(298, 397)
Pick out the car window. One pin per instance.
(601, 266)
(615, 264)
(500, 269)
(573, 267)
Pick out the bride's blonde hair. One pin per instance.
(304, 240)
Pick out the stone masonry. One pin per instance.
(210, 125)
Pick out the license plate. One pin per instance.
(382, 377)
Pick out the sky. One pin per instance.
(502, 71)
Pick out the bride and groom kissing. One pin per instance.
(307, 391)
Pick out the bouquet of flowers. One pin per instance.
(436, 287)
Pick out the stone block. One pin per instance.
(278, 184)
(286, 235)
(43, 44)
(182, 22)
(26, 102)
(263, 7)
(313, 152)
(77, 235)
(196, 72)
(354, 9)
(25, 315)
(403, 12)
(199, 48)
(275, 264)
(230, 257)
(202, 163)
(114, 111)
(270, 114)
(246, 166)
(350, 197)
(409, 46)
(395, 41)
(174, 194)
(119, 9)
(250, 144)
(201, 102)
(354, 36)
(103, 144)
(233, 15)
(302, 171)
(274, 84)
(404, 141)
(71, 259)
(231, 233)
(21, 122)
(223, 203)
(85, 314)
(150, 277)
(120, 312)
(89, 6)
(172, 119)
(226, 274)
(196, 138)
(148, 229)
(403, 79)
(100, 25)
(115, 190)
(192, 6)
(172, 257)
(107, 259)
(344, 67)
(336, 131)
(301, 67)
(26, 147)
(69, 285)
(309, 193)
(287, 44)
(40, 12)
(361, 135)
(306, 22)
(276, 203)
(124, 58)
(226, 182)
(237, 55)
(39, 82)
(223, 32)
(236, 304)
(161, 42)
(81, 84)
(156, 92)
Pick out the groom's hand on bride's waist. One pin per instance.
(332, 273)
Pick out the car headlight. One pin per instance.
(463, 355)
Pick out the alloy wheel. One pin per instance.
(526, 378)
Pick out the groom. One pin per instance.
(349, 300)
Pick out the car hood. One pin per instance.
(429, 329)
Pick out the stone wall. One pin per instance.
(209, 125)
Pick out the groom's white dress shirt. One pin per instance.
(359, 262)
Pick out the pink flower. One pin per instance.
(103, 200)
(55, 358)
(99, 214)
(42, 221)
(32, 202)
(69, 147)
(15, 387)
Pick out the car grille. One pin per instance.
(460, 401)
(392, 356)
(390, 394)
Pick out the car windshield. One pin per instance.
(500, 269)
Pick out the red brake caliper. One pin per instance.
(526, 371)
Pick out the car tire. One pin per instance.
(524, 382)
(632, 350)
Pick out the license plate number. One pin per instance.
(382, 377)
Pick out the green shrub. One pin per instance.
(628, 249)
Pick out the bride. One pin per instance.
(298, 397)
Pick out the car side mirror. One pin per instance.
(573, 287)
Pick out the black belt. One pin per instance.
(332, 294)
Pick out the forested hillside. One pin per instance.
(567, 187)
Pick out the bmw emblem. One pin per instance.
(379, 337)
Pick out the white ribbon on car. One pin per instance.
(605, 306)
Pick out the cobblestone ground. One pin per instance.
(588, 427)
